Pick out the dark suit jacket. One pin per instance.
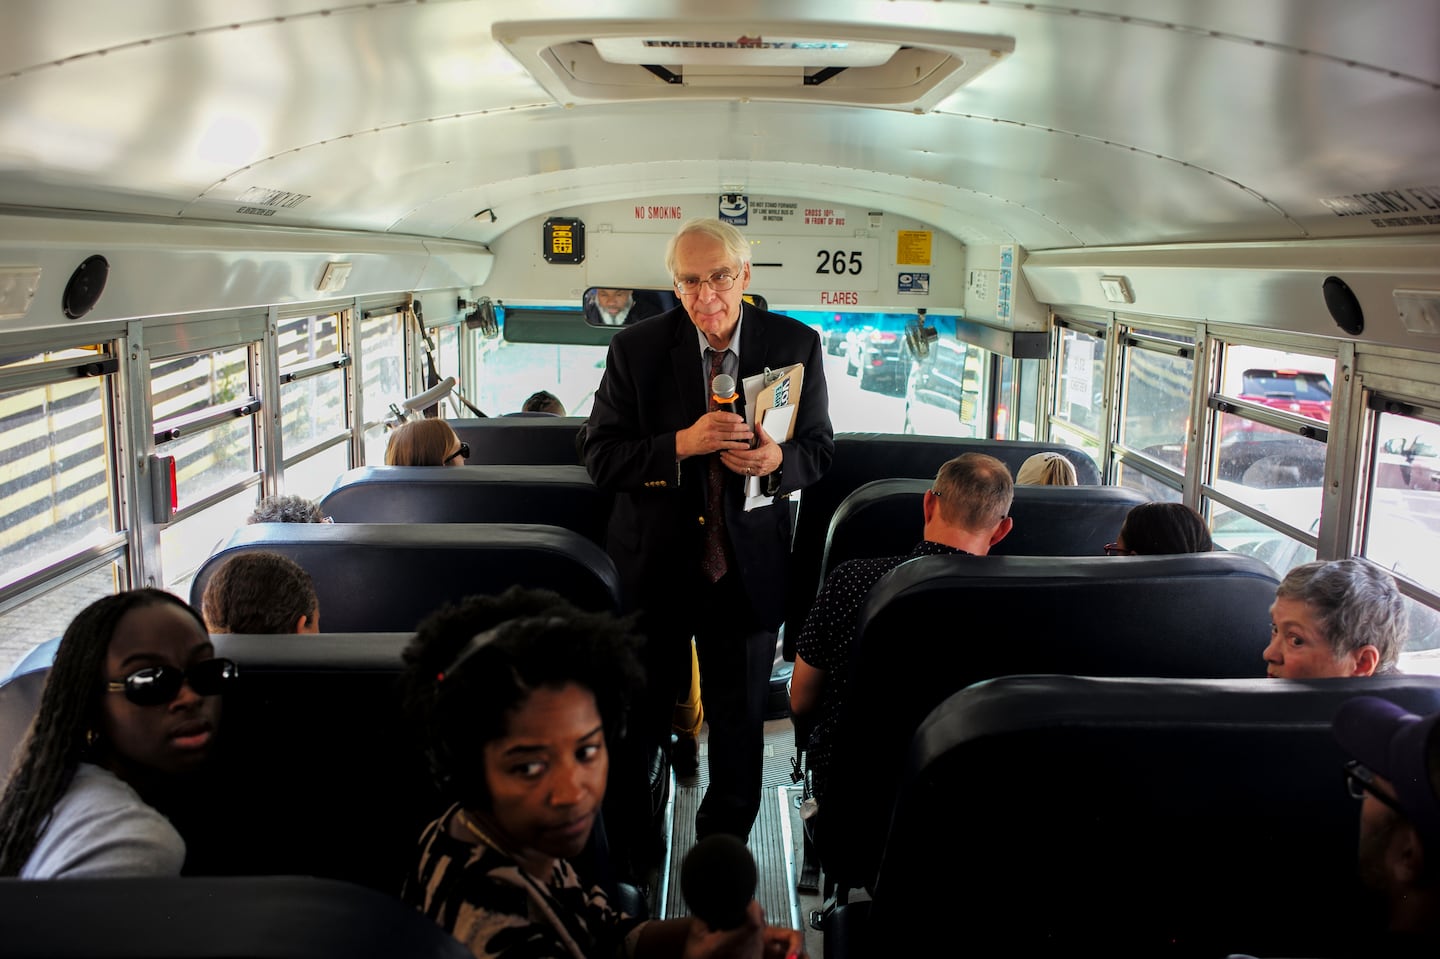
(653, 387)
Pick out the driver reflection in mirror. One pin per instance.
(609, 307)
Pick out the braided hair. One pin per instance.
(69, 713)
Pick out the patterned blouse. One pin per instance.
(481, 896)
(827, 636)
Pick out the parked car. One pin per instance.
(874, 352)
(942, 392)
(833, 333)
(1300, 392)
(1409, 463)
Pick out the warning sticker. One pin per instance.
(913, 283)
(1406, 206)
(912, 247)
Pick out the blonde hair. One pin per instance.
(424, 442)
(1047, 469)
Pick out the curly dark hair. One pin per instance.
(70, 705)
(471, 663)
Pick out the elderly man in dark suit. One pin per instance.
(691, 558)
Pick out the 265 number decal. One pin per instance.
(839, 262)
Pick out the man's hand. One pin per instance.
(712, 432)
(763, 460)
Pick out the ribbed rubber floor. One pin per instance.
(773, 840)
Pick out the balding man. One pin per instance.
(966, 511)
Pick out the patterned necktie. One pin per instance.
(713, 560)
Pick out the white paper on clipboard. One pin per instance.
(776, 422)
(751, 387)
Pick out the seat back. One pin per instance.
(863, 457)
(375, 577)
(311, 754)
(937, 624)
(885, 518)
(1058, 815)
(561, 496)
(19, 701)
(520, 440)
(315, 771)
(270, 917)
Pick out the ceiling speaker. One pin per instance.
(85, 286)
(1343, 305)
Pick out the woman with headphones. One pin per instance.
(517, 699)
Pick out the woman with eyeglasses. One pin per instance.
(130, 707)
(425, 442)
(1336, 619)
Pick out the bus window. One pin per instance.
(447, 349)
(1157, 372)
(203, 406)
(1401, 530)
(1078, 409)
(944, 395)
(1266, 463)
(313, 424)
(509, 371)
(877, 385)
(1402, 524)
(58, 528)
(382, 360)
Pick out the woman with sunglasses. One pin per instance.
(130, 706)
(517, 699)
(425, 442)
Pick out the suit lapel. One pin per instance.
(685, 361)
(752, 343)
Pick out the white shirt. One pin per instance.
(101, 829)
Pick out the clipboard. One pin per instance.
(770, 390)
(774, 398)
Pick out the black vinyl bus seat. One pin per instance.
(862, 457)
(269, 917)
(563, 496)
(936, 624)
(379, 577)
(1066, 816)
(885, 518)
(316, 772)
(19, 701)
(520, 440)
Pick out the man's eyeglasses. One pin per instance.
(1359, 780)
(158, 685)
(719, 282)
(1115, 549)
(463, 452)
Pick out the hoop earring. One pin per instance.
(91, 737)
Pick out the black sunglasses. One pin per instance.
(463, 452)
(158, 685)
(1359, 780)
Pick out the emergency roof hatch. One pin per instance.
(593, 61)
